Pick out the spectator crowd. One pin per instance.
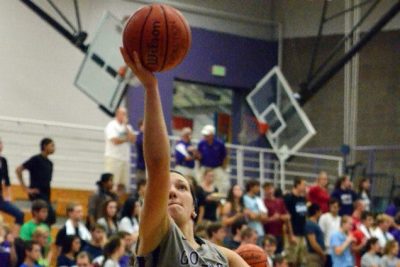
(309, 225)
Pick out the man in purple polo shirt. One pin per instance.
(212, 154)
(185, 153)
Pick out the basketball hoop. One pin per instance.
(262, 127)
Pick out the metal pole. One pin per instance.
(239, 162)
(261, 170)
(282, 173)
(310, 89)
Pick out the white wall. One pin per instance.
(38, 65)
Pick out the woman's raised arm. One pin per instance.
(154, 220)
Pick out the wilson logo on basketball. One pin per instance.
(153, 45)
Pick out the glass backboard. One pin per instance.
(98, 76)
(272, 101)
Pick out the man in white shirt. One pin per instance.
(330, 223)
(119, 135)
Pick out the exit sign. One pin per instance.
(218, 70)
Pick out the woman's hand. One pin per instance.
(146, 77)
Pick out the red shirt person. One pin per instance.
(318, 193)
(277, 214)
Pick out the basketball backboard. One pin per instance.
(272, 101)
(98, 76)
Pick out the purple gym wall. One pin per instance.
(246, 60)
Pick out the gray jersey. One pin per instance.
(174, 251)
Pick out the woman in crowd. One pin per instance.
(71, 247)
(211, 197)
(130, 218)
(364, 188)
(109, 217)
(371, 258)
(391, 251)
(104, 193)
(113, 250)
(166, 231)
(234, 208)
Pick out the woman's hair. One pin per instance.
(129, 209)
(105, 215)
(192, 190)
(67, 244)
(207, 171)
(339, 181)
(231, 198)
(112, 245)
(360, 186)
(104, 178)
(372, 241)
(105, 205)
(389, 246)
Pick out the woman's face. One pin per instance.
(136, 209)
(76, 245)
(209, 177)
(180, 203)
(111, 209)
(237, 191)
(366, 185)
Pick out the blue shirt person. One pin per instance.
(340, 243)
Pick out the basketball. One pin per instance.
(253, 255)
(159, 34)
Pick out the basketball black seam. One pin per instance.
(141, 35)
(166, 38)
(187, 33)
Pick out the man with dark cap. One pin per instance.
(104, 193)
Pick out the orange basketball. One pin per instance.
(159, 34)
(253, 255)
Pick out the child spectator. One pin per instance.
(8, 255)
(39, 211)
(280, 261)
(128, 241)
(83, 260)
(233, 241)
(370, 258)
(216, 233)
(113, 251)
(270, 245)
(71, 247)
(95, 247)
(32, 254)
(340, 244)
(389, 258)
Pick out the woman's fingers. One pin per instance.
(127, 59)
